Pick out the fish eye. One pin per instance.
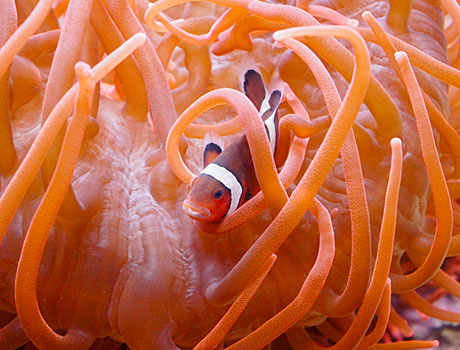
(218, 194)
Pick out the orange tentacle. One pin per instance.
(439, 189)
(309, 291)
(385, 110)
(256, 205)
(198, 131)
(330, 303)
(398, 14)
(217, 334)
(220, 25)
(418, 58)
(331, 15)
(383, 314)
(417, 302)
(12, 336)
(238, 38)
(408, 344)
(198, 64)
(302, 197)
(27, 307)
(8, 24)
(60, 80)
(439, 121)
(384, 254)
(128, 73)
(441, 278)
(161, 105)
(264, 165)
(329, 331)
(305, 128)
(400, 323)
(17, 187)
(20, 36)
(39, 44)
(453, 9)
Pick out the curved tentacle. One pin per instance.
(398, 14)
(20, 36)
(12, 335)
(441, 124)
(302, 198)
(40, 43)
(27, 307)
(418, 58)
(264, 164)
(413, 299)
(453, 10)
(383, 314)
(384, 255)
(224, 22)
(17, 187)
(60, 80)
(438, 251)
(127, 71)
(384, 111)
(198, 63)
(214, 337)
(329, 303)
(400, 323)
(408, 344)
(331, 15)
(8, 21)
(160, 101)
(254, 207)
(309, 291)
(238, 37)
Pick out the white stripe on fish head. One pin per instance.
(229, 180)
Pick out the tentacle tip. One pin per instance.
(82, 69)
(277, 36)
(395, 142)
(435, 343)
(334, 212)
(401, 56)
(210, 292)
(353, 22)
(366, 15)
(277, 45)
(141, 37)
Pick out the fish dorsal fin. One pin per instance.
(275, 99)
(254, 88)
(212, 148)
(270, 118)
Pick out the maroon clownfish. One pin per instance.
(228, 178)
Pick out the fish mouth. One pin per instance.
(196, 212)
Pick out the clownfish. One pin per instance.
(228, 178)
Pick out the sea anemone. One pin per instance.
(103, 103)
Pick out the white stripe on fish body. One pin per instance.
(270, 124)
(229, 180)
(265, 105)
